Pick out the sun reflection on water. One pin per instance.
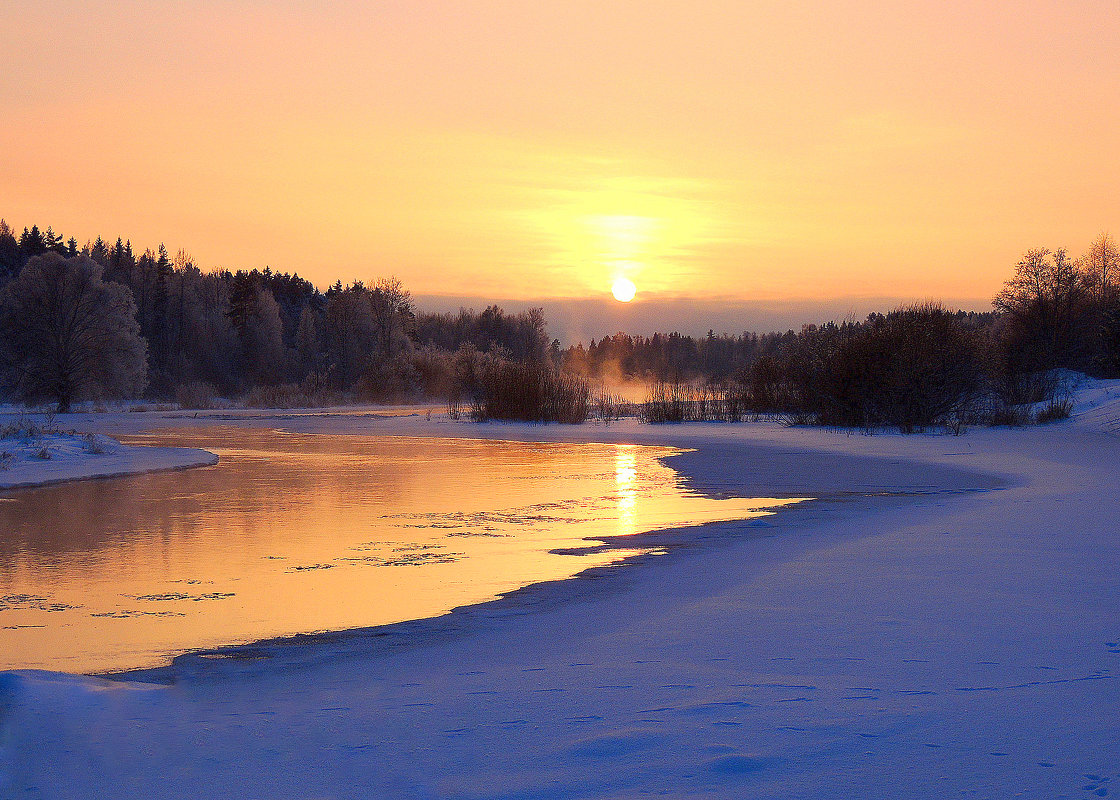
(625, 477)
(292, 533)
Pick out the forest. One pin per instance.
(98, 323)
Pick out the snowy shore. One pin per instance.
(956, 633)
(37, 459)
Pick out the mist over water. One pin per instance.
(573, 320)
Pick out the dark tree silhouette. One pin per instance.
(10, 256)
(226, 334)
(1048, 315)
(913, 368)
(1101, 265)
(67, 334)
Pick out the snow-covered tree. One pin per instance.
(66, 334)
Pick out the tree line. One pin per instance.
(98, 322)
(914, 367)
(677, 358)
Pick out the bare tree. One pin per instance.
(66, 334)
(391, 306)
(1048, 303)
(350, 333)
(1101, 264)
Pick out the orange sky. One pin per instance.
(739, 150)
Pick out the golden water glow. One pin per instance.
(363, 530)
(625, 476)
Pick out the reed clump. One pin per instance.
(681, 401)
(529, 392)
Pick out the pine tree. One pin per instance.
(31, 243)
(99, 252)
(242, 295)
(53, 242)
(10, 261)
(121, 263)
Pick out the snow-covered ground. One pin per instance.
(957, 634)
(31, 457)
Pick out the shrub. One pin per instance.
(284, 395)
(23, 428)
(144, 407)
(799, 419)
(530, 392)
(196, 394)
(687, 402)
(913, 368)
(1011, 416)
(1055, 410)
(607, 407)
(92, 445)
(388, 381)
(667, 402)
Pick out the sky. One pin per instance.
(724, 156)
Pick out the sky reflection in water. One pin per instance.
(296, 533)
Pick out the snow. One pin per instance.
(956, 633)
(35, 458)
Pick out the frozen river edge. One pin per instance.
(73, 457)
(943, 642)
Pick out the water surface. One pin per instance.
(295, 533)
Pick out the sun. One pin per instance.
(623, 290)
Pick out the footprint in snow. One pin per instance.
(736, 764)
(1098, 786)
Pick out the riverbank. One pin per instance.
(956, 635)
(31, 456)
